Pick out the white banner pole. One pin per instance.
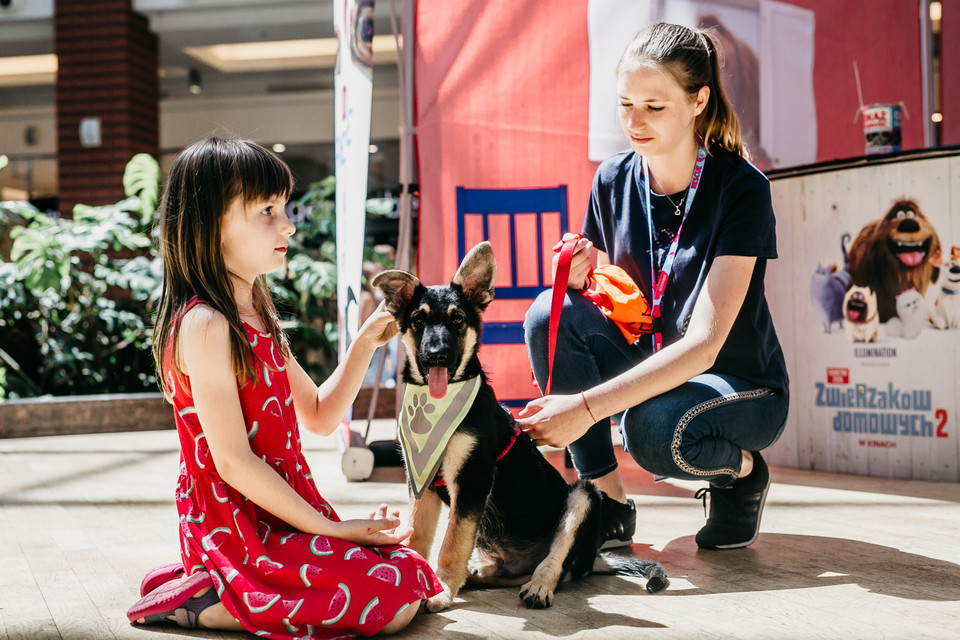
(353, 87)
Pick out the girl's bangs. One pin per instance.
(264, 175)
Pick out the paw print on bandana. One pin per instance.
(420, 404)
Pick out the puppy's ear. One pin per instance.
(397, 288)
(476, 275)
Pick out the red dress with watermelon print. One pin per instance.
(277, 581)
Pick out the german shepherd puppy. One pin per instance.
(513, 518)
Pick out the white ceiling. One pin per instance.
(278, 95)
(26, 28)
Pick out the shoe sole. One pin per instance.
(756, 534)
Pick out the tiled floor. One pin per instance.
(83, 517)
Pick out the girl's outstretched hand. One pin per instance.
(379, 529)
(555, 420)
(378, 328)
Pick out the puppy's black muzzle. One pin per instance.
(436, 347)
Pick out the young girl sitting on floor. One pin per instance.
(261, 549)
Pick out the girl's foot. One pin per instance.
(179, 601)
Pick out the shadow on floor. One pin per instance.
(782, 561)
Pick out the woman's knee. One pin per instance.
(536, 322)
(648, 437)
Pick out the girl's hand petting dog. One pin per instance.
(379, 328)
(377, 530)
(555, 420)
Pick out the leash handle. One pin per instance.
(565, 248)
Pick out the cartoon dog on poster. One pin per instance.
(860, 319)
(946, 309)
(900, 251)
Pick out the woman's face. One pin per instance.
(656, 114)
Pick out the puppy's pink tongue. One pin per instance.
(437, 382)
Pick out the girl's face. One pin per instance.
(656, 114)
(254, 237)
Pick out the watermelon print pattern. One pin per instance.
(279, 582)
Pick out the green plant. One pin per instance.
(78, 296)
(68, 322)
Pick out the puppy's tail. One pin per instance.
(613, 564)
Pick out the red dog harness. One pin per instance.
(439, 482)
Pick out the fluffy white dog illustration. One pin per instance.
(912, 314)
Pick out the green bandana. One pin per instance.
(426, 425)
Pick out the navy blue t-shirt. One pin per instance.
(732, 214)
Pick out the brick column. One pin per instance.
(107, 70)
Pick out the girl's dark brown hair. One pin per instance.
(690, 57)
(204, 181)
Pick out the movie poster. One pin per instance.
(866, 300)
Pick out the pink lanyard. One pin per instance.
(659, 284)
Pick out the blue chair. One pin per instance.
(532, 219)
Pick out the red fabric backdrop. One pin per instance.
(950, 72)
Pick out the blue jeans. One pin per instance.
(694, 431)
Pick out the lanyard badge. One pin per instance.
(659, 283)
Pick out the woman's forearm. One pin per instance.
(665, 370)
(713, 317)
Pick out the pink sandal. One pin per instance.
(176, 601)
(160, 575)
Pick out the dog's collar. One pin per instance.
(427, 424)
(950, 292)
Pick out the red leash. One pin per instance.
(565, 248)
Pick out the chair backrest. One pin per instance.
(520, 220)
(517, 210)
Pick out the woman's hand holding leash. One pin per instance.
(556, 420)
(579, 264)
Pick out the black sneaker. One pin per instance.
(618, 522)
(735, 510)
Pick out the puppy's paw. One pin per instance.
(479, 568)
(536, 595)
(440, 601)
